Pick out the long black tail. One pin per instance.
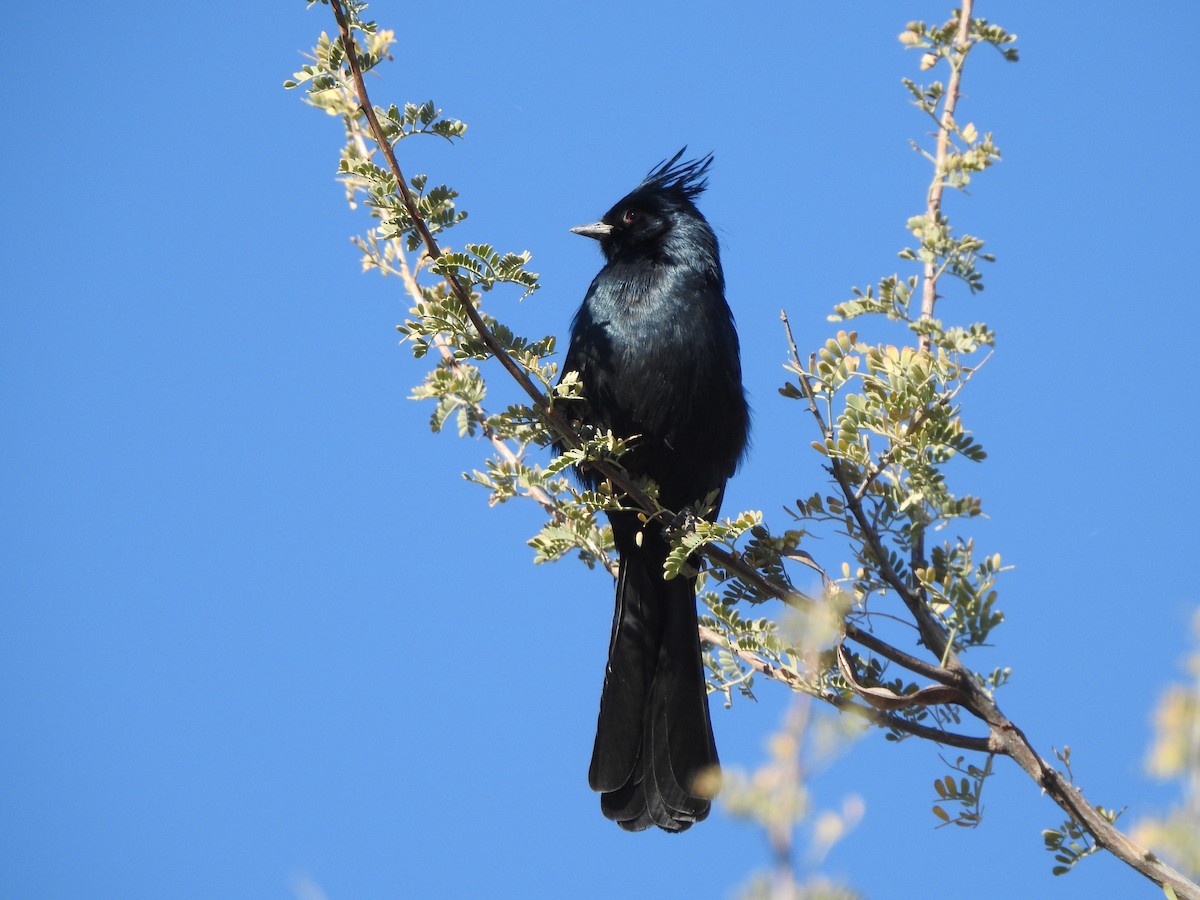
(654, 739)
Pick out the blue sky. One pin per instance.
(259, 639)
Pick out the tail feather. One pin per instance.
(653, 736)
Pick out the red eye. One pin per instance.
(629, 216)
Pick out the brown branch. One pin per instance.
(933, 208)
(544, 406)
(409, 280)
(884, 720)
(933, 203)
(756, 579)
(423, 232)
(1012, 742)
(912, 663)
(932, 633)
(1004, 737)
(936, 735)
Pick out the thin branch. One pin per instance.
(886, 650)
(884, 720)
(501, 446)
(1013, 743)
(933, 204)
(805, 384)
(937, 735)
(914, 426)
(753, 577)
(933, 209)
(431, 246)
(931, 633)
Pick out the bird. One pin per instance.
(657, 358)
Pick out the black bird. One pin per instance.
(657, 355)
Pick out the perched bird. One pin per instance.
(657, 355)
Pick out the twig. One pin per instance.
(1012, 742)
(933, 204)
(544, 406)
(931, 633)
(912, 663)
(431, 245)
(933, 209)
(914, 426)
(874, 716)
(409, 280)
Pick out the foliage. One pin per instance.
(1175, 756)
(889, 425)
(776, 798)
(1070, 842)
(967, 792)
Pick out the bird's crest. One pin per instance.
(687, 178)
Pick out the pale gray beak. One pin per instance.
(596, 230)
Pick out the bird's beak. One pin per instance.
(596, 230)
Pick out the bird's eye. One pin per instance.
(629, 216)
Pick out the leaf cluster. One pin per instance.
(1070, 842)
(891, 425)
(966, 791)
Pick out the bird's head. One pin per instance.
(644, 219)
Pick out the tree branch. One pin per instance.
(874, 716)
(431, 246)
(1012, 742)
(912, 663)
(933, 204)
(409, 280)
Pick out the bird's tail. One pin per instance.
(655, 761)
